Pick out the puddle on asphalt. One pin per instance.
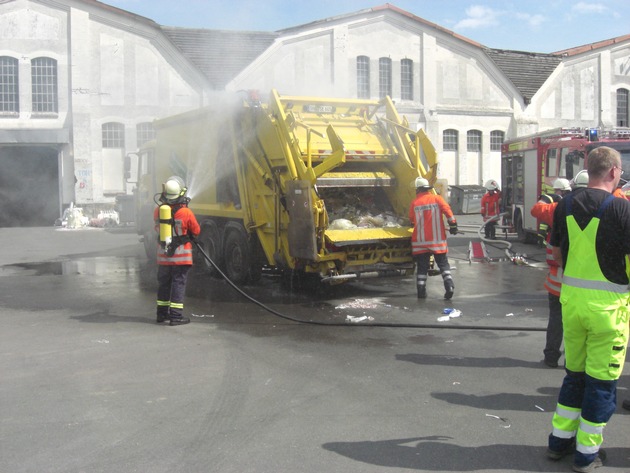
(100, 266)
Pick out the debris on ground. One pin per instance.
(356, 319)
(450, 314)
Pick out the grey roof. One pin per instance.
(220, 55)
(527, 71)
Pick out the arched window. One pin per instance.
(496, 140)
(622, 107)
(113, 134)
(363, 77)
(44, 85)
(384, 77)
(144, 132)
(450, 140)
(406, 79)
(473, 141)
(9, 86)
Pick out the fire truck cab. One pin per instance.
(530, 164)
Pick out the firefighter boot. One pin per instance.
(179, 320)
(449, 288)
(422, 291)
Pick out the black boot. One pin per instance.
(450, 290)
(422, 292)
(180, 320)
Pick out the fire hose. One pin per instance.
(354, 324)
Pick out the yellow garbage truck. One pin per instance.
(296, 184)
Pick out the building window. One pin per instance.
(144, 132)
(384, 77)
(113, 134)
(363, 77)
(406, 79)
(496, 140)
(9, 91)
(473, 141)
(622, 107)
(44, 85)
(449, 140)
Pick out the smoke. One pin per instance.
(210, 162)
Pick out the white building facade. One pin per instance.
(81, 85)
(446, 84)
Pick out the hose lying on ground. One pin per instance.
(371, 324)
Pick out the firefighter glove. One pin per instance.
(452, 228)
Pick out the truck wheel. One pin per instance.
(211, 243)
(149, 241)
(237, 254)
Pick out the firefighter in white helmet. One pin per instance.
(490, 207)
(427, 212)
(580, 180)
(543, 211)
(177, 226)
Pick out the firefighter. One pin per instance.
(590, 238)
(561, 187)
(543, 212)
(429, 236)
(580, 180)
(490, 207)
(177, 226)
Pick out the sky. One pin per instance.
(520, 25)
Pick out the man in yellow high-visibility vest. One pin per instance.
(591, 240)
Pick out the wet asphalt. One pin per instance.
(91, 384)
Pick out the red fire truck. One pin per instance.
(530, 164)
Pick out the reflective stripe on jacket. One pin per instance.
(185, 224)
(490, 205)
(543, 212)
(429, 233)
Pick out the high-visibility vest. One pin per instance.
(590, 303)
(184, 223)
(544, 213)
(429, 233)
(490, 205)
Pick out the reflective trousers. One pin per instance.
(171, 289)
(423, 261)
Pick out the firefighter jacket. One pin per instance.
(185, 223)
(543, 211)
(620, 193)
(490, 203)
(426, 215)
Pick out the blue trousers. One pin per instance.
(171, 289)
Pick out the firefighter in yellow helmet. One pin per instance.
(590, 237)
(177, 225)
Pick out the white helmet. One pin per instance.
(561, 184)
(422, 183)
(491, 185)
(174, 188)
(580, 179)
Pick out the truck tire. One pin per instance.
(212, 244)
(237, 254)
(150, 243)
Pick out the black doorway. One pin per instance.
(29, 186)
